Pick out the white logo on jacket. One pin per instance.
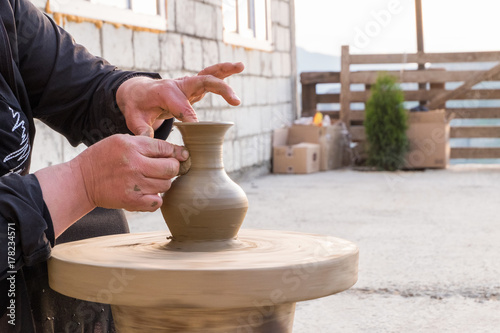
(23, 153)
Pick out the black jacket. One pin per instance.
(44, 75)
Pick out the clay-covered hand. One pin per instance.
(145, 102)
(128, 172)
(121, 171)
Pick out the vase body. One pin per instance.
(204, 204)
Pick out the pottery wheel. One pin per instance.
(138, 269)
(202, 278)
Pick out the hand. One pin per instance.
(121, 171)
(145, 102)
(128, 172)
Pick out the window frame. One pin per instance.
(242, 39)
(109, 14)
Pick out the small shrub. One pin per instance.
(386, 122)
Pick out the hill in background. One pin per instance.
(316, 62)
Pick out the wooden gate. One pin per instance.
(435, 95)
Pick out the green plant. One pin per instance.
(386, 122)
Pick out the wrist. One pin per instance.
(65, 194)
(132, 91)
(77, 170)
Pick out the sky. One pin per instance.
(388, 26)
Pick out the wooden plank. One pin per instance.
(473, 113)
(412, 95)
(401, 58)
(308, 100)
(359, 96)
(357, 133)
(345, 86)
(457, 113)
(415, 95)
(419, 26)
(461, 57)
(356, 115)
(465, 87)
(437, 86)
(474, 152)
(420, 43)
(319, 77)
(475, 132)
(328, 98)
(415, 76)
(480, 94)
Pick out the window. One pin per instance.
(247, 23)
(143, 13)
(148, 7)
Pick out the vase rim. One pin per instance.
(203, 123)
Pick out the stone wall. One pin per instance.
(194, 40)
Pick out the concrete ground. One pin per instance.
(429, 245)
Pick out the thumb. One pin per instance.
(145, 131)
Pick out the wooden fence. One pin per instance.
(431, 91)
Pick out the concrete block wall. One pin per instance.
(194, 40)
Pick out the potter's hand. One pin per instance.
(121, 171)
(145, 102)
(128, 172)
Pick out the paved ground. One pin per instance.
(429, 245)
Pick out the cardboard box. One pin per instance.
(429, 134)
(301, 157)
(329, 138)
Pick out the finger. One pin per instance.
(223, 70)
(147, 203)
(209, 83)
(156, 148)
(148, 186)
(182, 110)
(196, 99)
(140, 126)
(160, 168)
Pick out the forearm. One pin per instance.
(68, 88)
(64, 194)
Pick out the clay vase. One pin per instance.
(204, 204)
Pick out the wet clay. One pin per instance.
(204, 276)
(204, 204)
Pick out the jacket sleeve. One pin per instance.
(26, 234)
(69, 89)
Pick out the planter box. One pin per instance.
(429, 134)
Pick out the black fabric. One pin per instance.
(33, 240)
(15, 149)
(74, 93)
(6, 60)
(59, 313)
(26, 238)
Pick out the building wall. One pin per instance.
(194, 40)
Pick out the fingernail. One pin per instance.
(185, 153)
(236, 98)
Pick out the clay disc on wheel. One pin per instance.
(143, 269)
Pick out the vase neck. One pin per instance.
(205, 156)
(204, 142)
